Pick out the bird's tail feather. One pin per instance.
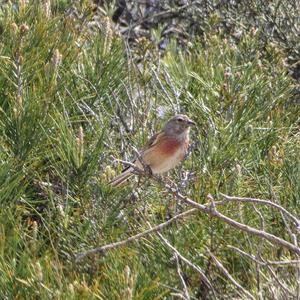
(124, 176)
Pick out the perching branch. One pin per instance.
(210, 210)
(253, 231)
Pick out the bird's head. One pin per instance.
(178, 125)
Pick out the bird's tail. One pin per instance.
(124, 176)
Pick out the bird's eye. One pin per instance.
(179, 120)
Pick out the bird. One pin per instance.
(163, 151)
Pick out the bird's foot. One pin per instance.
(148, 171)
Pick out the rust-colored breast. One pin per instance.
(169, 147)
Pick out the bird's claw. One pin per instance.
(148, 170)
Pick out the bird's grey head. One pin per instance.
(178, 125)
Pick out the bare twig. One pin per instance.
(214, 213)
(176, 292)
(258, 254)
(250, 256)
(265, 262)
(185, 289)
(281, 262)
(189, 263)
(105, 248)
(280, 282)
(19, 74)
(298, 268)
(268, 265)
(227, 274)
(262, 201)
(178, 295)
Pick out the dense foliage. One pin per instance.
(74, 97)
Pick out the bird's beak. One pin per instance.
(191, 123)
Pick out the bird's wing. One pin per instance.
(152, 141)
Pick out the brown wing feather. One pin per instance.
(152, 141)
(127, 172)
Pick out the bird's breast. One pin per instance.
(170, 154)
(169, 147)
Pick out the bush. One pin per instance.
(74, 99)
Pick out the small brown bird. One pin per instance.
(164, 150)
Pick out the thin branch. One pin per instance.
(298, 268)
(258, 254)
(262, 201)
(250, 256)
(265, 262)
(227, 274)
(19, 74)
(178, 295)
(281, 262)
(253, 231)
(280, 282)
(176, 292)
(105, 248)
(268, 265)
(189, 263)
(185, 289)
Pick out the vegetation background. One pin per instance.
(81, 82)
